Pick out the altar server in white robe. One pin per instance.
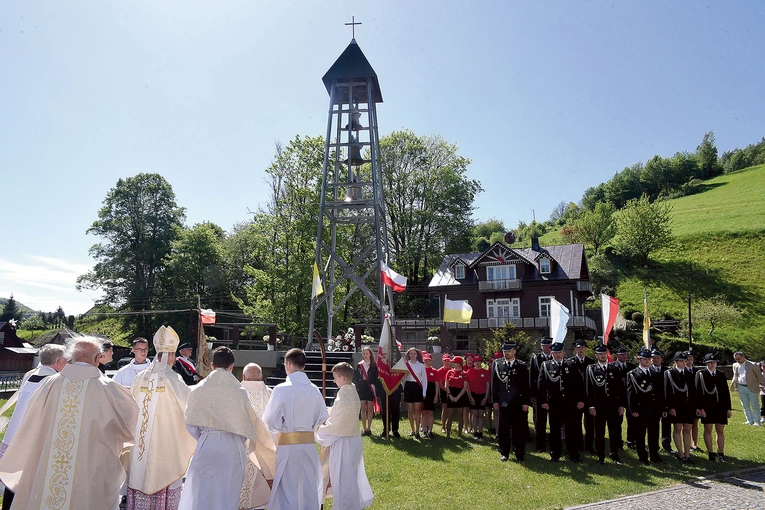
(220, 416)
(295, 411)
(129, 372)
(342, 457)
(66, 453)
(163, 447)
(261, 462)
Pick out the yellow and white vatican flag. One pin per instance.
(457, 311)
(317, 287)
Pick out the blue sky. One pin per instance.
(547, 99)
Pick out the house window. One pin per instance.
(503, 308)
(459, 271)
(500, 273)
(544, 265)
(544, 306)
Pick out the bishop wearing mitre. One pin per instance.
(163, 446)
(66, 452)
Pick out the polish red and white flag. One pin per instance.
(392, 279)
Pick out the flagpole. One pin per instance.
(390, 367)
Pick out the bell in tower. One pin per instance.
(352, 191)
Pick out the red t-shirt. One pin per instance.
(456, 378)
(442, 373)
(477, 379)
(432, 374)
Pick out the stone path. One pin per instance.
(738, 490)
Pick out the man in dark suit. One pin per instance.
(561, 394)
(657, 365)
(645, 402)
(581, 362)
(510, 397)
(540, 414)
(623, 367)
(606, 400)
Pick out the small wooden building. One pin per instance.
(15, 355)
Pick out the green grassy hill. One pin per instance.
(719, 249)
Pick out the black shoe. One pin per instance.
(614, 457)
(411, 434)
(417, 436)
(575, 460)
(712, 457)
(657, 460)
(519, 459)
(396, 434)
(601, 460)
(540, 450)
(554, 459)
(503, 458)
(631, 445)
(722, 458)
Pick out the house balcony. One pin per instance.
(495, 285)
(575, 322)
(583, 286)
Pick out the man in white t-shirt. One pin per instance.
(126, 374)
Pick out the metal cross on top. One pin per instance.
(353, 25)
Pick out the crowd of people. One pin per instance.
(148, 440)
(577, 399)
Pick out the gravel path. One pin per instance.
(740, 490)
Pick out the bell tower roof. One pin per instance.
(352, 64)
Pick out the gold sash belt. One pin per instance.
(287, 438)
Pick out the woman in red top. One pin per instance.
(431, 397)
(478, 380)
(365, 380)
(458, 390)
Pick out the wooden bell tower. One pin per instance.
(352, 191)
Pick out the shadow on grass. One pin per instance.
(432, 449)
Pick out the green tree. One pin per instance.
(138, 222)
(33, 322)
(716, 312)
(279, 245)
(706, 153)
(643, 227)
(194, 266)
(624, 186)
(593, 228)
(428, 199)
(11, 311)
(484, 232)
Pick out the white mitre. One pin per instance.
(166, 339)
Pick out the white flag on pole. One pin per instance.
(559, 317)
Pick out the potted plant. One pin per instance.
(435, 343)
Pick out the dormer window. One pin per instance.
(459, 271)
(544, 265)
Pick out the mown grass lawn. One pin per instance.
(452, 473)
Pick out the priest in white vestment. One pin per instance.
(138, 364)
(342, 458)
(163, 446)
(295, 411)
(66, 453)
(220, 416)
(263, 459)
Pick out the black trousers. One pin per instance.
(564, 418)
(589, 436)
(666, 433)
(607, 416)
(540, 426)
(513, 430)
(647, 423)
(394, 401)
(7, 499)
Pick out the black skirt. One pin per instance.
(478, 398)
(365, 391)
(412, 392)
(442, 396)
(463, 401)
(428, 405)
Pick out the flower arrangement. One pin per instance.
(367, 339)
(345, 342)
(433, 340)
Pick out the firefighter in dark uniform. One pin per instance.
(623, 367)
(714, 400)
(657, 364)
(510, 397)
(645, 402)
(606, 400)
(540, 414)
(581, 362)
(561, 394)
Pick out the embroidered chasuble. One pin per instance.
(261, 462)
(66, 452)
(163, 446)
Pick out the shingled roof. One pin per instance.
(353, 64)
(569, 262)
